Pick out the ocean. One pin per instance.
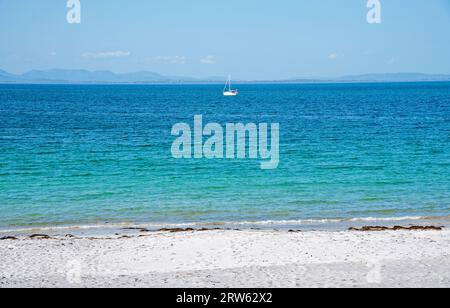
(93, 155)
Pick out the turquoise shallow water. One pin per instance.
(95, 154)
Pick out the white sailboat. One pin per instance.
(227, 91)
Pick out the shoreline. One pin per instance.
(128, 228)
(220, 258)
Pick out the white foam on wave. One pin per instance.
(155, 226)
(325, 221)
(388, 218)
(94, 226)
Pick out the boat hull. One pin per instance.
(230, 93)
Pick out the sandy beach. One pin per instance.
(230, 259)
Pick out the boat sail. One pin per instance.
(227, 91)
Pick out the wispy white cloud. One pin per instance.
(170, 59)
(333, 56)
(106, 54)
(209, 60)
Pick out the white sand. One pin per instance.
(231, 259)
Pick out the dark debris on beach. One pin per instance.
(40, 236)
(396, 228)
(10, 238)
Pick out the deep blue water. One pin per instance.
(88, 154)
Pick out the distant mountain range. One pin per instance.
(83, 76)
(145, 77)
(399, 77)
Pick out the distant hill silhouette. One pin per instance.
(397, 77)
(143, 77)
(85, 76)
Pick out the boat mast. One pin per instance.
(228, 85)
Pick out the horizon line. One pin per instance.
(28, 77)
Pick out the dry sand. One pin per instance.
(231, 259)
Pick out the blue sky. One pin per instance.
(250, 39)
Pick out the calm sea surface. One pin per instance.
(88, 154)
